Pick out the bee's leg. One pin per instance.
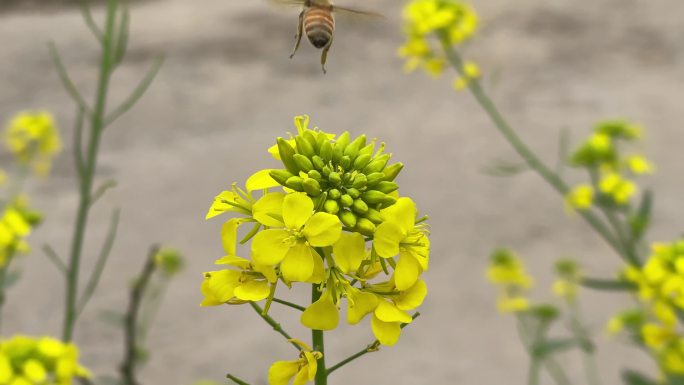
(324, 54)
(300, 28)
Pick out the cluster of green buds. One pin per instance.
(345, 177)
(333, 218)
(39, 361)
(610, 170)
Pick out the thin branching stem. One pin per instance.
(236, 379)
(289, 304)
(64, 76)
(580, 333)
(128, 367)
(90, 22)
(273, 323)
(55, 259)
(137, 93)
(524, 151)
(372, 347)
(86, 180)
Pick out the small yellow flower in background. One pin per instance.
(638, 165)
(470, 72)
(617, 187)
(579, 198)
(16, 222)
(451, 20)
(39, 361)
(569, 278)
(508, 274)
(302, 370)
(33, 138)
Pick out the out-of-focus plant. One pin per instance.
(32, 138)
(331, 218)
(92, 119)
(39, 361)
(609, 200)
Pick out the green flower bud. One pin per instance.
(387, 187)
(315, 175)
(302, 162)
(359, 206)
(354, 193)
(331, 207)
(304, 146)
(347, 178)
(364, 226)
(319, 201)
(374, 178)
(334, 194)
(317, 162)
(321, 138)
(326, 151)
(337, 154)
(326, 171)
(360, 181)
(340, 145)
(295, 183)
(346, 200)
(348, 218)
(280, 176)
(368, 150)
(311, 187)
(377, 164)
(335, 178)
(361, 161)
(353, 148)
(345, 162)
(169, 261)
(374, 197)
(374, 216)
(392, 171)
(286, 156)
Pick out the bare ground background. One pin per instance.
(228, 89)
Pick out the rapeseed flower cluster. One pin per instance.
(452, 21)
(507, 272)
(302, 370)
(660, 289)
(600, 155)
(32, 137)
(330, 216)
(39, 361)
(16, 222)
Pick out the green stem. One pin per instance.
(318, 344)
(132, 344)
(529, 341)
(372, 347)
(289, 304)
(521, 148)
(3, 282)
(581, 334)
(86, 179)
(273, 323)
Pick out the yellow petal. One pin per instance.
(302, 376)
(322, 314)
(406, 273)
(233, 260)
(322, 229)
(413, 297)
(386, 332)
(281, 372)
(387, 312)
(298, 264)
(403, 213)
(229, 234)
(360, 303)
(267, 270)
(218, 286)
(318, 274)
(253, 290)
(268, 210)
(34, 371)
(349, 251)
(387, 238)
(6, 371)
(260, 180)
(312, 364)
(218, 207)
(270, 246)
(297, 209)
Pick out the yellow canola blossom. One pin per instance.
(39, 361)
(33, 138)
(302, 370)
(508, 274)
(16, 223)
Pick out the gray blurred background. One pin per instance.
(228, 89)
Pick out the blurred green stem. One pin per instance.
(132, 345)
(4, 270)
(528, 155)
(530, 339)
(580, 333)
(86, 178)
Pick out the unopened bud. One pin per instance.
(302, 162)
(334, 194)
(346, 200)
(386, 187)
(295, 183)
(286, 156)
(392, 171)
(331, 206)
(364, 226)
(359, 206)
(335, 178)
(377, 164)
(348, 218)
(280, 176)
(311, 187)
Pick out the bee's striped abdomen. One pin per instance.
(319, 26)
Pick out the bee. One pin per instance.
(317, 22)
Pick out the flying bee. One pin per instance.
(317, 22)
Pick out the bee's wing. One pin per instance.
(288, 2)
(356, 12)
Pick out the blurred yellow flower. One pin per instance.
(33, 138)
